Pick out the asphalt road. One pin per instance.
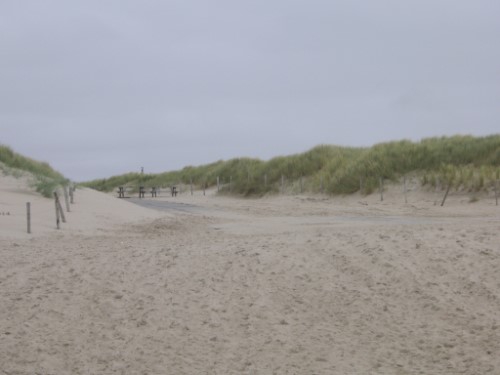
(168, 206)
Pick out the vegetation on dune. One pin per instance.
(465, 162)
(45, 179)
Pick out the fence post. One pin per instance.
(66, 197)
(57, 210)
(282, 184)
(61, 212)
(28, 216)
(265, 180)
(301, 185)
(71, 191)
(446, 194)
(218, 185)
(191, 186)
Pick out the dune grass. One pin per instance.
(465, 162)
(45, 178)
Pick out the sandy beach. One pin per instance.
(277, 285)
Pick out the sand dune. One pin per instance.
(279, 285)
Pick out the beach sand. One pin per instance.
(277, 285)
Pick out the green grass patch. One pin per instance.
(45, 178)
(465, 162)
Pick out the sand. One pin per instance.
(278, 285)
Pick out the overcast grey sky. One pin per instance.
(98, 88)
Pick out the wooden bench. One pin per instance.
(141, 191)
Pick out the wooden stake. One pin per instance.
(446, 194)
(61, 212)
(66, 197)
(57, 210)
(191, 186)
(58, 206)
(71, 191)
(265, 180)
(301, 185)
(282, 184)
(218, 185)
(28, 216)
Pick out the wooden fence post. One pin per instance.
(265, 180)
(446, 194)
(71, 197)
(61, 212)
(191, 186)
(28, 216)
(57, 210)
(282, 184)
(66, 197)
(218, 184)
(301, 185)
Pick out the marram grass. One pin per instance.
(45, 179)
(465, 162)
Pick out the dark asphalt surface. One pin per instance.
(172, 207)
(168, 206)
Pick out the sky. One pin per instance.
(99, 88)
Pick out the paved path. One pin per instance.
(170, 206)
